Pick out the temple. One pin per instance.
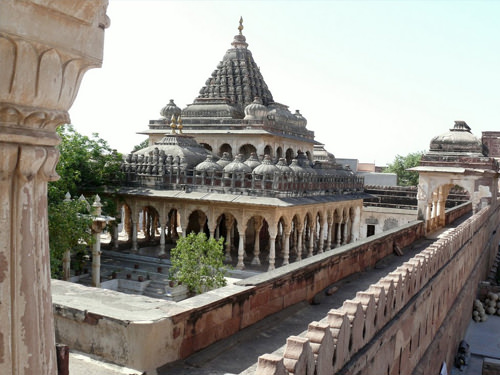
(237, 164)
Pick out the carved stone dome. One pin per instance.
(281, 164)
(457, 140)
(256, 110)
(237, 166)
(224, 160)
(252, 161)
(267, 167)
(296, 168)
(301, 121)
(208, 165)
(170, 109)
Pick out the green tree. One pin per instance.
(69, 230)
(86, 164)
(141, 145)
(400, 165)
(198, 262)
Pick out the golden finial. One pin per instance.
(173, 124)
(179, 124)
(241, 25)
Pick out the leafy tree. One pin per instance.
(86, 164)
(399, 166)
(141, 145)
(69, 230)
(198, 262)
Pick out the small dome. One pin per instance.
(284, 168)
(170, 109)
(267, 167)
(208, 165)
(301, 121)
(237, 166)
(224, 160)
(294, 166)
(459, 139)
(255, 110)
(252, 161)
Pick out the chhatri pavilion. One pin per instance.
(237, 164)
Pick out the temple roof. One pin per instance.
(236, 81)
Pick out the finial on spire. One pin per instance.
(173, 124)
(179, 124)
(241, 25)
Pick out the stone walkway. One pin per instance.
(238, 354)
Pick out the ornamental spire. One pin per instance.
(240, 28)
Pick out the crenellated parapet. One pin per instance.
(388, 327)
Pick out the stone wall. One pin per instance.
(411, 321)
(120, 329)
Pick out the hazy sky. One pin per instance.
(373, 78)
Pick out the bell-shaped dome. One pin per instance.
(170, 109)
(457, 140)
(224, 160)
(208, 165)
(255, 110)
(252, 161)
(296, 168)
(266, 168)
(237, 166)
(283, 167)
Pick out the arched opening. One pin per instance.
(246, 150)
(198, 223)
(226, 148)
(257, 235)
(148, 223)
(289, 155)
(309, 156)
(279, 153)
(268, 151)
(206, 146)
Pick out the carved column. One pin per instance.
(286, 245)
(321, 234)
(312, 233)
(45, 49)
(258, 222)
(300, 231)
(329, 221)
(229, 236)
(272, 246)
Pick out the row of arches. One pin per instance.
(273, 236)
(247, 149)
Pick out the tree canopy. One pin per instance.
(198, 262)
(399, 166)
(86, 164)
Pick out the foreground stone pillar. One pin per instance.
(45, 49)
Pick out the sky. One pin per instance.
(374, 79)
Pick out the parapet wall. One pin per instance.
(145, 333)
(411, 321)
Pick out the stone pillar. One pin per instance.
(45, 49)
(286, 247)
(346, 231)
(67, 265)
(272, 247)
(321, 234)
(339, 233)
(97, 227)
(135, 224)
(241, 251)
(312, 233)
(329, 221)
(299, 243)
(162, 238)
(229, 237)
(256, 243)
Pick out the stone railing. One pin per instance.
(362, 337)
(170, 177)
